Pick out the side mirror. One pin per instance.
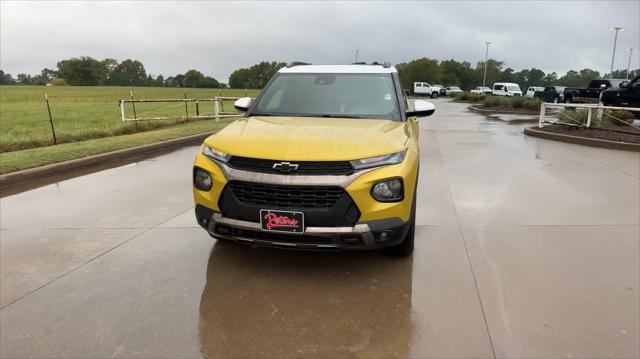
(243, 104)
(624, 84)
(421, 108)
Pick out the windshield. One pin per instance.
(329, 95)
(513, 88)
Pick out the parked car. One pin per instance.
(482, 90)
(553, 94)
(451, 90)
(591, 94)
(627, 95)
(506, 89)
(425, 89)
(443, 91)
(532, 90)
(253, 181)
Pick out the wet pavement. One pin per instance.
(525, 248)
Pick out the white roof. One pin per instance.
(338, 69)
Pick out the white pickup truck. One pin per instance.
(424, 89)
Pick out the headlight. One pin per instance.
(391, 159)
(202, 179)
(215, 154)
(389, 190)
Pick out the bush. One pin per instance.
(493, 101)
(579, 117)
(573, 117)
(531, 104)
(468, 96)
(622, 115)
(512, 102)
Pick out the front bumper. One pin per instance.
(336, 228)
(362, 236)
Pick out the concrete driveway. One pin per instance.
(525, 248)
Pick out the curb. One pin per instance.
(508, 112)
(532, 131)
(124, 155)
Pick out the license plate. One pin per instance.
(281, 221)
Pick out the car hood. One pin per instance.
(310, 138)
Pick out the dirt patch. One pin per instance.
(630, 134)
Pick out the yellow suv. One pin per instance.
(325, 158)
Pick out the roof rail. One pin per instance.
(297, 63)
(385, 64)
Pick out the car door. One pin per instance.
(631, 97)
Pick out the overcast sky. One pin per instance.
(217, 37)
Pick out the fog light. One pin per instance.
(384, 236)
(388, 190)
(202, 179)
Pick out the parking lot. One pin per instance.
(525, 248)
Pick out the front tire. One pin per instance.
(434, 95)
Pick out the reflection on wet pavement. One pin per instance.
(265, 303)
(525, 248)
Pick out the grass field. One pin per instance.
(84, 113)
(34, 157)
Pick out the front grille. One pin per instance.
(335, 168)
(305, 197)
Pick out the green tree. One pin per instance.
(578, 79)
(6, 79)
(494, 72)
(621, 74)
(456, 73)
(193, 78)
(83, 71)
(24, 79)
(128, 73)
(240, 78)
(109, 65)
(550, 79)
(256, 76)
(420, 70)
(535, 78)
(507, 75)
(210, 82)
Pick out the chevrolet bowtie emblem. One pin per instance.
(285, 167)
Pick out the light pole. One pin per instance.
(629, 64)
(486, 57)
(615, 41)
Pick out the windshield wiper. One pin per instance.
(341, 116)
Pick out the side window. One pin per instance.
(635, 86)
(418, 85)
(497, 87)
